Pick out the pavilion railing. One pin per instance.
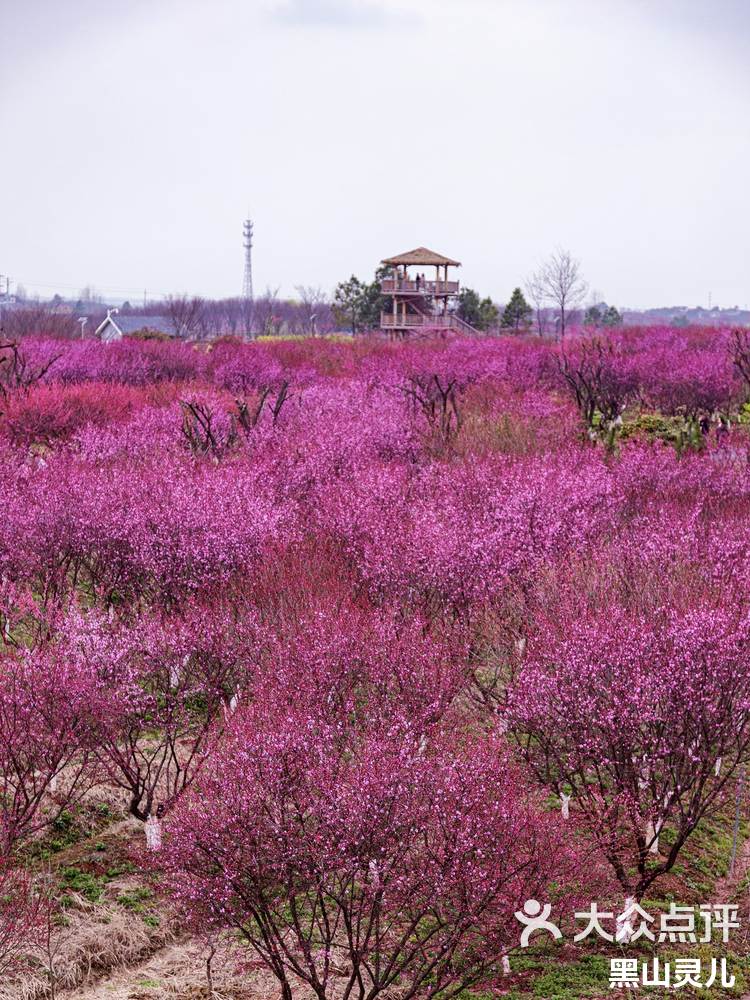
(401, 321)
(408, 286)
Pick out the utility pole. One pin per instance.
(247, 242)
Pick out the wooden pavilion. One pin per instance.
(419, 301)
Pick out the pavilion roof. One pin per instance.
(421, 256)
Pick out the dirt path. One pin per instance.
(168, 972)
(177, 972)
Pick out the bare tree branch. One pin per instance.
(562, 282)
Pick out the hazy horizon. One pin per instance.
(136, 140)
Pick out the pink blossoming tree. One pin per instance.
(356, 862)
(641, 717)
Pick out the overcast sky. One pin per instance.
(136, 135)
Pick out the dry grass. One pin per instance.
(94, 942)
(177, 972)
(108, 918)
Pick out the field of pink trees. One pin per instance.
(363, 645)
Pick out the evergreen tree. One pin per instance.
(374, 302)
(349, 303)
(479, 313)
(612, 317)
(358, 305)
(603, 315)
(517, 312)
(488, 314)
(592, 316)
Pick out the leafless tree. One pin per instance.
(312, 299)
(17, 373)
(205, 325)
(275, 398)
(220, 317)
(247, 317)
(266, 309)
(232, 312)
(739, 352)
(534, 288)
(200, 432)
(438, 398)
(600, 384)
(41, 320)
(186, 314)
(563, 283)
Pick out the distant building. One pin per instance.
(112, 328)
